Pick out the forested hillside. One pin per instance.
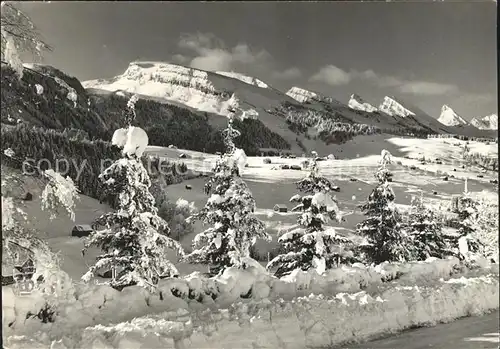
(41, 99)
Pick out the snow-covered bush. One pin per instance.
(383, 228)
(484, 221)
(229, 212)
(39, 89)
(425, 231)
(59, 192)
(240, 159)
(176, 214)
(8, 213)
(309, 244)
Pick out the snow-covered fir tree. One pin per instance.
(310, 244)
(425, 231)
(382, 227)
(466, 243)
(230, 214)
(134, 238)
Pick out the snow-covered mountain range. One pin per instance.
(230, 93)
(488, 122)
(176, 83)
(448, 117)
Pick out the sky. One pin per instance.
(427, 53)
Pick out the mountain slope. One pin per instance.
(202, 91)
(40, 98)
(391, 117)
(357, 103)
(246, 79)
(392, 107)
(448, 117)
(465, 129)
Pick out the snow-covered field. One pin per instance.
(271, 185)
(250, 308)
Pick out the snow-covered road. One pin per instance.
(468, 333)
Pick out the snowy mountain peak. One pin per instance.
(448, 117)
(246, 79)
(488, 122)
(392, 107)
(304, 96)
(357, 103)
(194, 88)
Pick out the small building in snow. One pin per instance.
(81, 230)
(280, 208)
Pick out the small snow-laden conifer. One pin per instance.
(310, 244)
(468, 222)
(230, 214)
(382, 227)
(425, 231)
(59, 193)
(134, 238)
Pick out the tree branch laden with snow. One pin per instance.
(59, 193)
(18, 34)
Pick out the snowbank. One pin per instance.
(245, 307)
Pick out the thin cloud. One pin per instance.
(288, 74)
(331, 75)
(210, 53)
(335, 76)
(178, 58)
(427, 88)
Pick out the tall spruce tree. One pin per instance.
(229, 212)
(425, 231)
(310, 244)
(382, 228)
(134, 238)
